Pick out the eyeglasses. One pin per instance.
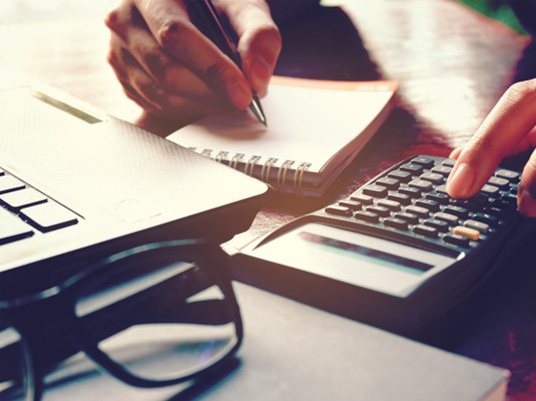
(154, 315)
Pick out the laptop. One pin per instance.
(77, 184)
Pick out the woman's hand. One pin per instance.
(508, 129)
(167, 66)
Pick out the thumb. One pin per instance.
(259, 41)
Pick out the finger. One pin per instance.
(133, 78)
(506, 126)
(131, 94)
(456, 153)
(170, 25)
(135, 36)
(526, 196)
(259, 39)
(528, 142)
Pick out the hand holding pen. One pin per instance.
(171, 69)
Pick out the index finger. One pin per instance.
(170, 24)
(259, 39)
(507, 124)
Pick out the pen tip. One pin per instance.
(256, 108)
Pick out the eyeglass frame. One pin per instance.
(61, 299)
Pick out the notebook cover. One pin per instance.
(294, 352)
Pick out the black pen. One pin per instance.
(214, 29)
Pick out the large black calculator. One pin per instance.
(398, 252)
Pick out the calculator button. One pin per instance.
(422, 185)
(501, 213)
(427, 231)
(412, 168)
(389, 183)
(510, 199)
(399, 224)
(367, 216)
(447, 217)
(490, 190)
(413, 192)
(442, 189)
(443, 170)
(410, 218)
(459, 202)
(338, 211)
(457, 240)
(9, 183)
(432, 177)
(417, 210)
(514, 188)
(401, 198)
(510, 175)
(466, 232)
(438, 197)
(499, 182)
(350, 204)
(389, 204)
(400, 175)
(379, 210)
(486, 218)
(423, 161)
(477, 225)
(440, 225)
(431, 205)
(362, 198)
(376, 191)
(478, 201)
(459, 211)
(448, 162)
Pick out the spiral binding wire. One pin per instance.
(253, 161)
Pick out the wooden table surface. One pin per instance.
(452, 65)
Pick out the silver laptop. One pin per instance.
(76, 184)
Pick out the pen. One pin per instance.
(214, 29)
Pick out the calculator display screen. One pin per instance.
(355, 258)
(361, 252)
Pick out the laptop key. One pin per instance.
(22, 198)
(9, 183)
(12, 228)
(49, 216)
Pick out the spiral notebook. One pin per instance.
(315, 129)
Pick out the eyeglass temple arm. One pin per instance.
(118, 317)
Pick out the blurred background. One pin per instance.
(21, 11)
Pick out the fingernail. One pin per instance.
(460, 180)
(239, 94)
(260, 73)
(526, 203)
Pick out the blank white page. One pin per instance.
(308, 121)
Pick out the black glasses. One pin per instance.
(154, 315)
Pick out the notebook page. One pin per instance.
(308, 121)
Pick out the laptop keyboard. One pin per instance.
(27, 211)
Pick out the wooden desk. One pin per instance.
(452, 65)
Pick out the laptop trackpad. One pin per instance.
(132, 210)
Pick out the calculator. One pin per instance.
(397, 253)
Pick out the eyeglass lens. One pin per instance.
(14, 370)
(159, 318)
